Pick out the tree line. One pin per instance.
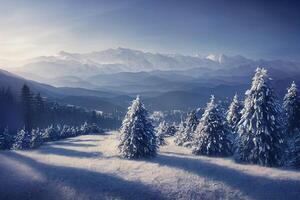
(258, 130)
(29, 115)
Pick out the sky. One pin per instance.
(254, 28)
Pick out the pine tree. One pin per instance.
(27, 105)
(260, 128)
(180, 132)
(22, 140)
(39, 109)
(185, 136)
(85, 128)
(137, 137)
(51, 133)
(161, 133)
(294, 151)
(212, 133)
(2, 140)
(234, 112)
(8, 139)
(291, 105)
(171, 130)
(36, 138)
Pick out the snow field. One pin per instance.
(89, 167)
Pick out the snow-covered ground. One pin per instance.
(88, 167)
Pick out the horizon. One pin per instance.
(10, 64)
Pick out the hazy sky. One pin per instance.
(254, 28)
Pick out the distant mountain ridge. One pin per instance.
(133, 71)
(119, 60)
(113, 77)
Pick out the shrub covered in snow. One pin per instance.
(260, 128)
(212, 133)
(137, 137)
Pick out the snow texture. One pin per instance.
(89, 167)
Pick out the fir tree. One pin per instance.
(85, 128)
(260, 128)
(2, 140)
(171, 130)
(137, 137)
(161, 133)
(22, 140)
(291, 105)
(36, 138)
(212, 133)
(294, 151)
(8, 139)
(185, 136)
(27, 105)
(234, 112)
(179, 132)
(51, 133)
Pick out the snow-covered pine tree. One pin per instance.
(212, 133)
(2, 140)
(22, 140)
(260, 128)
(291, 105)
(51, 133)
(294, 151)
(180, 132)
(85, 128)
(137, 138)
(171, 130)
(161, 133)
(185, 136)
(233, 114)
(8, 139)
(36, 138)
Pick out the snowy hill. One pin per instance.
(88, 167)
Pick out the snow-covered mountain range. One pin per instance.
(167, 81)
(95, 70)
(121, 60)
